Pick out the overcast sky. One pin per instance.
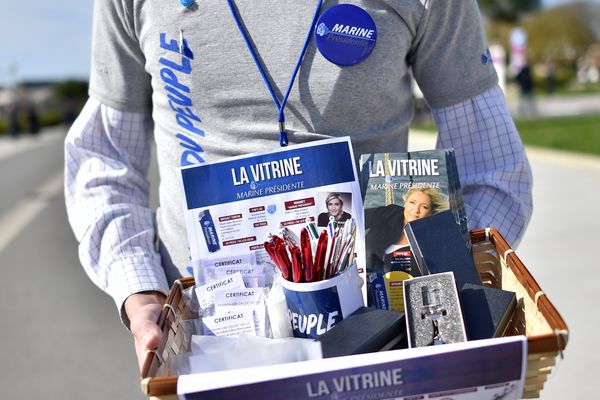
(51, 39)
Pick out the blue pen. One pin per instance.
(331, 226)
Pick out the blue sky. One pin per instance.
(45, 39)
(51, 39)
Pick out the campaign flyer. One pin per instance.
(232, 205)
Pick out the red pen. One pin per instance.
(320, 256)
(270, 248)
(282, 253)
(297, 272)
(276, 240)
(307, 259)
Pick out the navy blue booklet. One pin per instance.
(501, 306)
(437, 246)
(367, 330)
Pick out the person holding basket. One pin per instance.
(206, 80)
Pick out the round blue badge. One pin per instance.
(345, 34)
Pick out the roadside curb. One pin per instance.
(562, 157)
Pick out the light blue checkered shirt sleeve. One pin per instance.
(107, 154)
(493, 168)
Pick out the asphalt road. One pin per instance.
(61, 337)
(561, 250)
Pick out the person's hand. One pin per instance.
(143, 310)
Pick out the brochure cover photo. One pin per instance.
(399, 188)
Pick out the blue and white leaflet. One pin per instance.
(231, 206)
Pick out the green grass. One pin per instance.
(577, 90)
(578, 134)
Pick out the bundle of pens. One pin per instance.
(312, 257)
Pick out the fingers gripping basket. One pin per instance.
(498, 266)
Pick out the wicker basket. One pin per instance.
(499, 267)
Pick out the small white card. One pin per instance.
(253, 276)
(232, 324)
(229, 261)
(253, 300)
(206, 293)
(239, 297)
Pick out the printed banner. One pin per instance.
(482, 369)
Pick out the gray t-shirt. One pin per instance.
(209, 100)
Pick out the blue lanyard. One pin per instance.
(283, 138)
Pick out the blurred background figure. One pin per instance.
(550, 76)
(524, 79)
(14, 128)
(520, 71)
(33, 119)
(518, 44)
